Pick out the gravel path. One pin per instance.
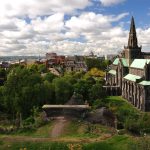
(59, 125)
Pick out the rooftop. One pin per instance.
(145, 83)
(139, 63)
(123, 60)
(112, 72)
(132, 77)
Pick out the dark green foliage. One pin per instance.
(142, 143)
(99, 103)
(3, 75)
(42, 68)
(138, 125)
(128, 117)
(82, 87)
(97, 92)
(63, 90)
(23, 90)
(96, 63)
(27, 87)
(49, 77)
(98, 146)
(1, 98)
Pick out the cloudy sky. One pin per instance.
(34, 27)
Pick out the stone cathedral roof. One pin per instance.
(139, 63)
(113, 72)
(123, 60)
(132, 77)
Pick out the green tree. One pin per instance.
(96, 63)
(42, 68)
(82, 87)
(63, 90)
(3, 75)
(97, 92)
(22, 91)
(49, 77)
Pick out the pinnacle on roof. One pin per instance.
(132, 42)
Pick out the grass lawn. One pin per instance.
(85, 136)
(114, 143)
(117, 102)
(81, 129)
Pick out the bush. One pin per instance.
(98, 103)
(28, 121)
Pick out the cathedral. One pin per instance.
(129, 74)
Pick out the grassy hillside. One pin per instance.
(114, 143)
(80, 135)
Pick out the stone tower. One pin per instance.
(132, 51)
(132, 41)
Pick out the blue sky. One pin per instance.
(35, 27)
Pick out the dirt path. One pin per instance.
(59, 125)
(70, 139)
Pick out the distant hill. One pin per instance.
(13, 58)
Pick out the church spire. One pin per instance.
(132, 42)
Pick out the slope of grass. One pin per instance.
(114, 143)
(117, 103)
(83, 132)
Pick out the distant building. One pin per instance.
(51, 55)
(129, 74)
(91, 55)
(54, 59)
(110, 57)
(4, 64)
(75, 63)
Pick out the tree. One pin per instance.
(96, 63)
(82, 87)
(22, 91)
(42, 68)
(63, 90)
(97, 92)
(2, 76)
(1, 98)
(49, 77)
(49, 93)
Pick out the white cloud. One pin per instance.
(111, 2)
(52, 32)
(56, 34)
(51, 24)
(33, 8)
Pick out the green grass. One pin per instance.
(122, 108)
(115, 143)
(35, 146)
(120, 103)
(42, 132)
(81, 129)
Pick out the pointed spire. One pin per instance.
(132, 42)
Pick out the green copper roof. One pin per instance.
(116, 61)
(139, 63)
(132, 77)
(145, 83)
(123, 60)
(112, 72)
